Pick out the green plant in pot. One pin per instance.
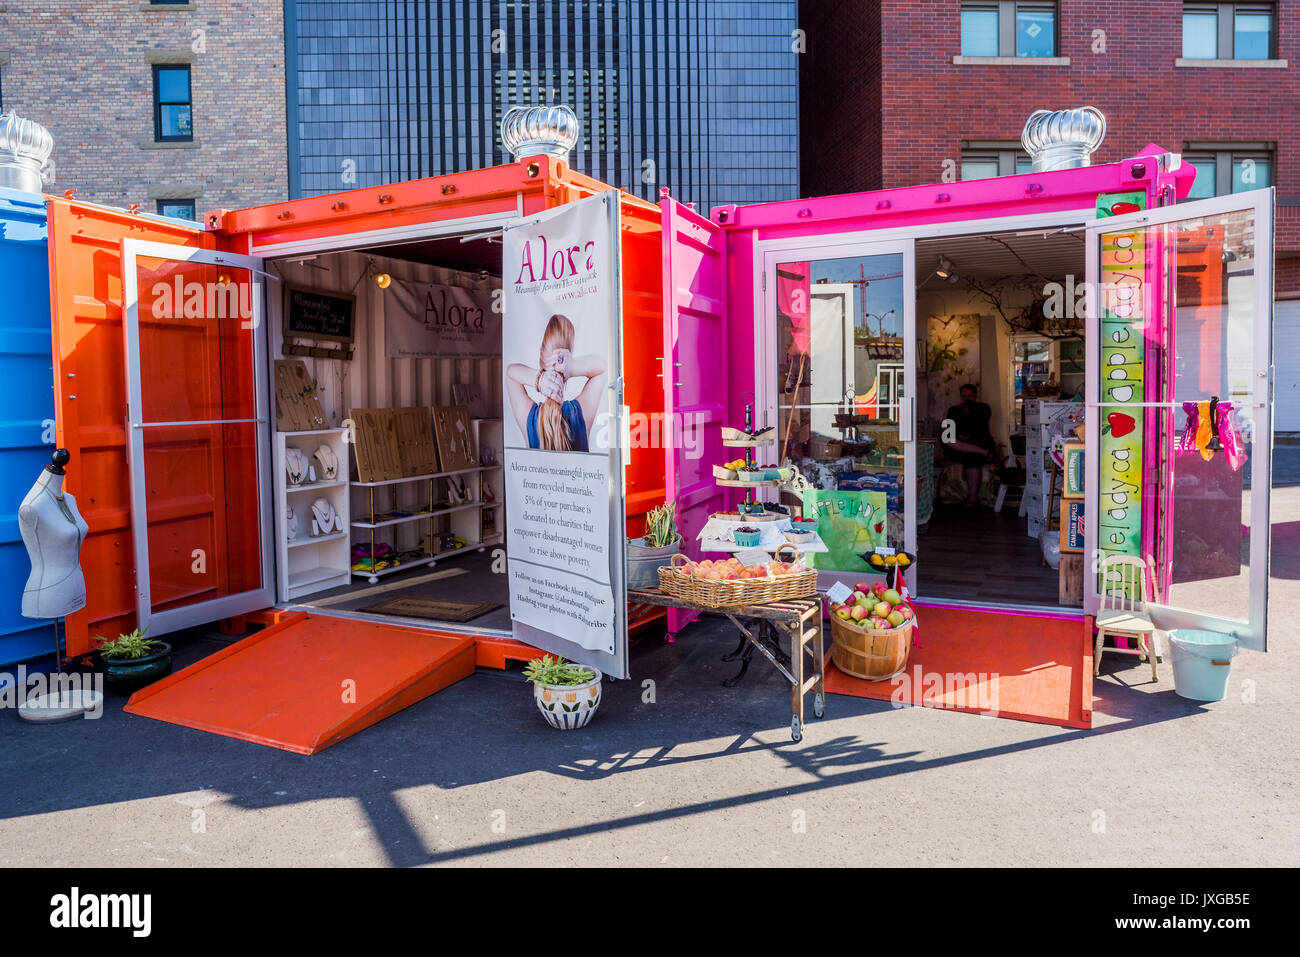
(657, 547)
(132, 661)
(566, 694)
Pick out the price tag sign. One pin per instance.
(884, 550)
(753, 556)
(839, 593)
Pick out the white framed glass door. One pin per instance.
(1179, 392)
(198, 434)
(838, 380)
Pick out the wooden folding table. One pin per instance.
(760, 629)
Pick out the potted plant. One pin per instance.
(132, 661)
(566, 694)
(657, 547)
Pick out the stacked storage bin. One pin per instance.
(1046, 424)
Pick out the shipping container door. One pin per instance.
(694, 369)
(1196, 282)
(197, 433)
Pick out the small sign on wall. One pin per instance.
(1074, 468)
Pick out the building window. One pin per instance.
(1229, 31)
(177, 209)
(983, 163)
(1224, 170)
(1009, 28)
(171, 103)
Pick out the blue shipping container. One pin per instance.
(27, 413)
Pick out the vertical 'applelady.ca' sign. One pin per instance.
(1123, 343)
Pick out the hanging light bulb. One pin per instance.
(223, 279)
(383, 280)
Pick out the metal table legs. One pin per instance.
(765, 638)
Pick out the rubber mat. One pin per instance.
(309, 681)
(1023, 666)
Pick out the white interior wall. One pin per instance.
(371, 379)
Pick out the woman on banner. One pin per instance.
(554, 423)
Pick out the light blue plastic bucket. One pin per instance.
(1202, 660)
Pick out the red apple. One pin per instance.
(844, 613)
(859, 597)
(906, 612)
(882, 609)
(896, 618)
(859, 612)
(1121, 424)
(879, 589)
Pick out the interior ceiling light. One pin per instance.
(383, 280)
(945, 269)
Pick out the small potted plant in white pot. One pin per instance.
(566, 694)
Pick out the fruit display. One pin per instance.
(731, 569)
(746, 536)
(874, 606)
(881, 562)
(729, 583)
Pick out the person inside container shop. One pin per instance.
(973, 447)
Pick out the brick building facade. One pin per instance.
(889, 100)
(88, 71)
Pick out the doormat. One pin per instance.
(1003, 664)
(434, 609)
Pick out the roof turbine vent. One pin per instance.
(1063, 139)
(25, 148)
(544, 130)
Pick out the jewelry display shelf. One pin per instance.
(461, 519)
(308, 563)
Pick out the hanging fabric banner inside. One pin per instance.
(433, 320)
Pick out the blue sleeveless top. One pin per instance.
(571, 412)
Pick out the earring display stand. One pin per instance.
(311, 562)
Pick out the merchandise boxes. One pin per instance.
(1073, 469)
(1071, 525)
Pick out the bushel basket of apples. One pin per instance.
(726, 583)
(871, 633)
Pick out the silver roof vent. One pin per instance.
(25, 148)
(1063, 139)
(545, 130)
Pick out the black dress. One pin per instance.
(972, 422)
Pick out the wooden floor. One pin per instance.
(977, 554)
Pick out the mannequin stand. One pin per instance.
(60, 704)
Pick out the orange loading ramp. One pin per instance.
(309, 681)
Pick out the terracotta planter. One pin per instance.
(566, 707)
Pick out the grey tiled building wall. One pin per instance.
(700, 96)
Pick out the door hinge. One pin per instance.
(765, 282)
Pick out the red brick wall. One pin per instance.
(839, 97)
(81, 68)
(929, 104)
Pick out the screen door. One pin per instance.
(198, 434)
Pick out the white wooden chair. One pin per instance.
(1126, 583)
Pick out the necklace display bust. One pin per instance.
(52, 531)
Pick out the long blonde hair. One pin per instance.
(552, 429)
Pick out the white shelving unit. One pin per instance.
(311, 563)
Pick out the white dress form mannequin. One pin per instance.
(53, 531)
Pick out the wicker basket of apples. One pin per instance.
(871, 632)
(727, 583)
